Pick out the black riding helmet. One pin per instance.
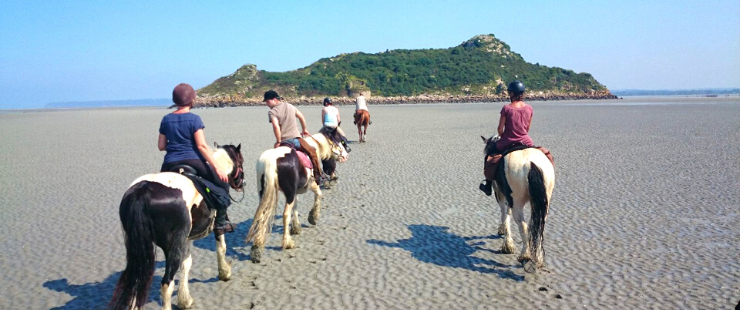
(327, 100)
(516, 87)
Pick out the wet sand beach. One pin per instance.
(645, 213)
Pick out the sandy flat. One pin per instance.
(645, 213)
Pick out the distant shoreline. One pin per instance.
(221, 102)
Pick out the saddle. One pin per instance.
(492, 161)
(302, 156)
(215, 197)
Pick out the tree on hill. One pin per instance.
(479, 66)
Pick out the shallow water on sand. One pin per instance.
(644, 213)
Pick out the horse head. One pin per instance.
(490, 143)
(334, 140)
(236, 177)
(338, 152)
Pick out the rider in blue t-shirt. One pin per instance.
(181, 135)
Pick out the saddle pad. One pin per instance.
(305, 160)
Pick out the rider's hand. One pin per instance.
(277, 144)
(305, 133)
(222, 175)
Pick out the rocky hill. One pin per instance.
(476, 70)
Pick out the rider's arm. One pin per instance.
(200, 142)
(323, 115)
(339, 119)
(162, 142)
(276, 130)
(501, 123)
(300, 117)
(530, 123)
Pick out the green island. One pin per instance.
(478, 70)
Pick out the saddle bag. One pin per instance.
(215, 197)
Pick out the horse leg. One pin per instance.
(224, 267)
(287, 240)
(315, 213)
(359, 131)
(518, 212)
(174, 259)
(505, 214)
(184, 301)
(295, 227)
(508, 246)
(364, 132)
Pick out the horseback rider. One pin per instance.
(513, 128)
(181, 135)
(331, 120)
(360, 105)
(282, 116)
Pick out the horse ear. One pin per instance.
(484, 138)
(239, 147)
(215, 144)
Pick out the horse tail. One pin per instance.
(540, 204)
(268, 189)
(133, 286)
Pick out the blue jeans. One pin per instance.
(294, 142)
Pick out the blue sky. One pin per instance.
(52, 51)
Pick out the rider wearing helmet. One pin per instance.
(331, 120)
(181, 135)
(513, 128)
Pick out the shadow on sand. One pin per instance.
(434, 245)
(236, 239)
(96, 295)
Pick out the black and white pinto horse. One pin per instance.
(279, 169)
(524, 177)
(166, 210)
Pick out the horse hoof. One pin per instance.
(529, 266)
(507, 249)
(296, 229)
(313, 218)
(185, 304)
(256, 254)
(289, 245)
(226, 276)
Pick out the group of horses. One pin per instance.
(166, 210)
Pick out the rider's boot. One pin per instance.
(344, 144)
(223, 224)
(486, 187)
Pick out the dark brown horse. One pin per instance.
(362, 120)
(166, 210)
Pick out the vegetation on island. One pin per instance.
(481, 66)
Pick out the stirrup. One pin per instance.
(488, 190)
(227, 228)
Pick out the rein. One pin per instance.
(234, 174)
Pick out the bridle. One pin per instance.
(234, 181)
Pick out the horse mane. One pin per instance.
(491, 144)
(332, 134)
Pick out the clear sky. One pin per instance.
(52, 51)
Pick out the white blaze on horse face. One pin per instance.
(177, 181)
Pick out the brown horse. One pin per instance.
(362, 119)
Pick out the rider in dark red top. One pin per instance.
(513, 126)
